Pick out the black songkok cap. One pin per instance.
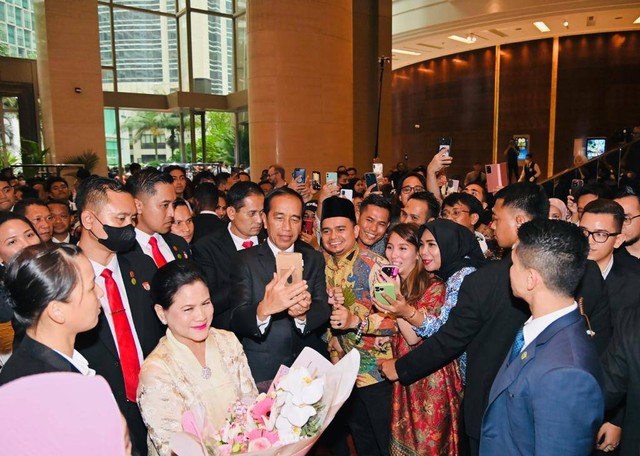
(338, 207)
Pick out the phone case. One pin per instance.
(332, 177)
(284, 261)
(384, 287)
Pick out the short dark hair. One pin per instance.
(27, 192)
(352, 169)
(470, 201)
(282, 191)
(431, 200)
(341, 173)
(145, 182)
(206, 196)
(279, 169)
(22, 205)
(168, 280)
(485, 193)
(6, 179)
(93, 191)
(557, 250)
(241, 190)
(527, 197)
(406, 176)
(134, 167)
(40, 274)
(197, 179)
(222, 178)
(606, 206)
(599, 190)
(180, 202)
(52, 180)
(376, 200)
(168, 169)
(626, 191)
(61, 202)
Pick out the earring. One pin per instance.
(164, 322)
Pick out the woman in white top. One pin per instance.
(193, 364)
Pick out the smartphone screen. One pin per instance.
(378, 169)
(315, 180)
(444, 147)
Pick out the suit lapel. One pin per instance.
(104, 333)
(47, 355)
(267, 261)
(134, 296)
(509, 372)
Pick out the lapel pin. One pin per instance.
(133, 281)
(524, 356)
(146, 286)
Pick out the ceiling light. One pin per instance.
(467, 40)
(402, 51)
(637, 21)
(565, 23)
(472, 38)
(542, 26)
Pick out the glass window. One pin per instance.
(165, 6)
(149, 134)
(241, 53)
(241, 5)
(18, 17)
(108, 84)
(145, 52)
(219, 6)
(111, 135)
(104, 28)
(2, 12)
(184, 54)
(212, 57)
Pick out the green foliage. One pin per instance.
(87, 158)
(32, 155)
(155, 124)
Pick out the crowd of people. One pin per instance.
(486, 323)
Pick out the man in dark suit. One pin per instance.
(621, 364)
(276, 320)
(629, 253)
(128, 329)
(487, 315)
(61, 215)
(154, 195)
(217, 252)
(546, 397)
(206, 221)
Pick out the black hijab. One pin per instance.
(459, 247)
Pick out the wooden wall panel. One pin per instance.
(598, 88)
(448, 96)
(525, 90)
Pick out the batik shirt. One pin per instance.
(356, 273)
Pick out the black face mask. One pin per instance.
(119, 240)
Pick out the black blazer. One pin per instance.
(484, 323)
(621, 363)
(99, 347)
(216, 254)
(282, 341)
(622, 286)
(205, 224)
(32, 358)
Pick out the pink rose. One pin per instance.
(262, 409)
(259, 444)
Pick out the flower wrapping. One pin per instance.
(287, 420)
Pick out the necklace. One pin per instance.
(206, 372)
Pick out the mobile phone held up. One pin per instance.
(300, 175)
(390, 271)
(576, 187)
(371, 179)
(387, 288)
(331, 177)
(444, 146)
(315, 180)
(285, 261)
(378, 170)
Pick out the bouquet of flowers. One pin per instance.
(288, 419)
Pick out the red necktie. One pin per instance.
(247, 244)
(124, 336)
(155, 251)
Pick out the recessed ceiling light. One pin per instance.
(468, 40)
(637, 21)
(402, 51)
(542, 26)
(565, 23)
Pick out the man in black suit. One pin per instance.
(487, 315)
(128, 329)
(276, 320)
(61, 215)
(206, 221)
(217, 252)
(154, 195)
(629, 253)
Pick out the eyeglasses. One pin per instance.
(628, 219)
(598, 236)
(455, 213)
(410, 189)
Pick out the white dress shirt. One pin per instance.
(533, 327)
(264, 324)
(607, 270)
(79, 362)
(117, 277)
(64, 241)
(143, 240)
(237, 241)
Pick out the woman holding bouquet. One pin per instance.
(424, 414)
(194, 364)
